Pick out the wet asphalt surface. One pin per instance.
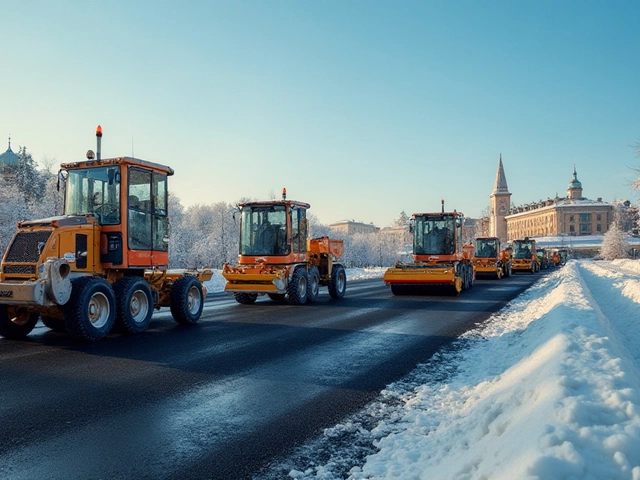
(222, 399)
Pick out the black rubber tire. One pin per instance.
(461, 270)
(297, 288)
(246, 298)
(313, 285)
(277, 297)
(399, 289)
(19, 326)
(53, 323)
(91, 312)
(134, 304)
(186, 300)
(338, 284)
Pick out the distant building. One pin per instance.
(499, 205)
(351, 227)
(572, 215)
(401, 232)
(9, 163)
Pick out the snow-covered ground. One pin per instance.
(547, 388)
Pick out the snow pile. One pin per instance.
(549, 389)
(217, 282)
(365, 273)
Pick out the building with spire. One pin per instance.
(500, 205)
(571, 215)
(9, 161)
(8, 158)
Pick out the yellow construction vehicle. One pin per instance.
(276, 258)
(490, 258)
(525, 258)
(439, 258)
(104, 262)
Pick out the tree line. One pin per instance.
(199, 235)
(208, 234)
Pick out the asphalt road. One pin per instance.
(223, 398)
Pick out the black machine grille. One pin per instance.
(26, 246)
(19, 269)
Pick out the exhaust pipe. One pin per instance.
(99, 140)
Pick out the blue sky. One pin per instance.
(361, 108)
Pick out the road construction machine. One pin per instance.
(490, 259)
(440, 262)
(525, 258)
(277, 259)
(104, 262)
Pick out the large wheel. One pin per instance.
(313, 288)
(276, 297)
(297, 288)
(245, 298)
(16, 322)
(134, 304)
(398, 289)
(53, 323)
(463, 274)
(186, 300)
(338, 284)
(90, 313)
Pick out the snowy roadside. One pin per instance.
(547, 388)
(217, 282)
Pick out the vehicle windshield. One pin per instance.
(522, 250)
(434, 235)
(263, 230)
(94, 190)
(486, 248)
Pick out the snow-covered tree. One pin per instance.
(29, 181)
(615, 243)
(402, 220)
(317, 229)
(13, 209)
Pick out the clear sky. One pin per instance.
(361, 108)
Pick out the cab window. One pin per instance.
(147, 207)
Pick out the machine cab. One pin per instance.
(487, 248)
(438, 234)
(275, 229)
(128, 198)
(524, 249)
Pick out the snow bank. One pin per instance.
(543, 392)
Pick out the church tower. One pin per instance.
(500, 205)
(574, 191)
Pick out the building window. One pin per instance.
(572, 229)
(598, 217)
(571, 218)
(585, 228)
(599, 227)
(585, 217)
